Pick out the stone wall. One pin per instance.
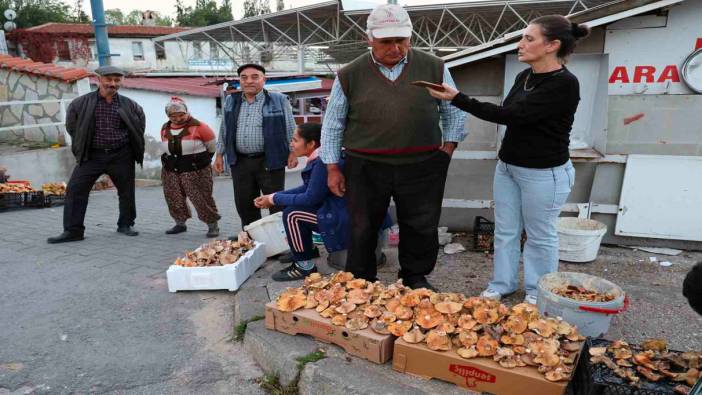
(19, 86)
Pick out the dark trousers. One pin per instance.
(418, 190)
(250, 179)
(119, 165)
(299, 224)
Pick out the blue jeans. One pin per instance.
(530, 199)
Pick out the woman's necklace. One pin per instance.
(526, 80)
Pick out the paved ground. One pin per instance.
(96, 316)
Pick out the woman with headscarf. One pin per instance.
(189, 145)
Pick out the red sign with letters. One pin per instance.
(472, 374)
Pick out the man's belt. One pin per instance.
(252, 155)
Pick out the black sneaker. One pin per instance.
(178, 228)
(421, 283)
(288, 256)
(292, 273)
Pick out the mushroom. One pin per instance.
(624, 362)
(547, 359)
(619, 344)
(571, 346)
(313, 278)
(392, 304)
(336, 293)
(485, 315)
(341, 277)
(528, 359)
(557, 375)
(502, 352)
(403, 313)
(467, 338)
(515, 324)
(487, 346)
(622, 353)
(644, 359)
(372, 311)
(448, 307)
(438, 340)
(597, 351)
(660, 345)
(388, 317)
(328, 312)
(357, 296)
(542, 327)
(339, 320)
(428, 318)
(564, 329)
(467, 353)
(513, 339)
(692, 359)
(379, 326)
(526, 310)
(414, 336)
(466, 321)
(509, 362)
(472, 302)
(345, 308)
(357, 283)
(311, 302)
(399, 328)
(650, 376)
(446, 327)
(604, 360)
(519, 349)
(356, 324)
(322, 306)
(410, 299)
(291, 300)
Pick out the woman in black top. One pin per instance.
(534, 174)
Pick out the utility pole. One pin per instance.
(103, 45)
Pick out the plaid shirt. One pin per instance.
(249, 131)
(110, 131)
(452, 119)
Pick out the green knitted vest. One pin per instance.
(391, 121)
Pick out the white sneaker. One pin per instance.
(530, 299)
(491, 294)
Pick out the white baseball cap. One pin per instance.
(389, 20)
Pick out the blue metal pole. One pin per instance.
(103, 45)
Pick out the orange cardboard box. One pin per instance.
(477, 374)
(364, 344)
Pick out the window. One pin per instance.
(197, 48)
(138, 50)
(64, 51)
(214, 51)
(160, 50)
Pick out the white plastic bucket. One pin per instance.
(270, 231)
(579, 239)
(591, 318)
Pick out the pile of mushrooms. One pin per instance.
(471, 327)
(651, 361)
(215, 253)
(583, 294)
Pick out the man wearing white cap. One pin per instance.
(398, 142)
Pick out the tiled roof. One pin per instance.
(47, 70)
(193, 86)
(113, 31)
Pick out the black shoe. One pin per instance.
(65, 237)
(288, 256)
(127, 231)
(176, 229)
(292, 273)
(422, 283)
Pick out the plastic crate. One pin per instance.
(11, 200)
(483, 234)
(34, 199)
(54, 200)
(590, 379)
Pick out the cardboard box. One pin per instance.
(477, 374)
(228, 277)
(364, 344)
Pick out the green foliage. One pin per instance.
(205, 13)
(311, 357)
(133, 18)
(271, 384)
(114, 16)
(256, 7)
(37, 12)
(240, 329)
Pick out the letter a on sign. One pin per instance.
(619, 74)
(669, 73)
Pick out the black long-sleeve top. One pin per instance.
(538, 111)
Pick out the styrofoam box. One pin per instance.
(228, 277)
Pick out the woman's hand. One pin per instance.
(448, 93)
(265, 201)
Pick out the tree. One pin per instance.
(164, 20)
(280, 6)
(256, 7)
(37, 12)
(133, 18)
(114, 16)
(205, 13)
(79, 16)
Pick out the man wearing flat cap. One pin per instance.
(398, 143)
(257, 127)
(107, 133)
